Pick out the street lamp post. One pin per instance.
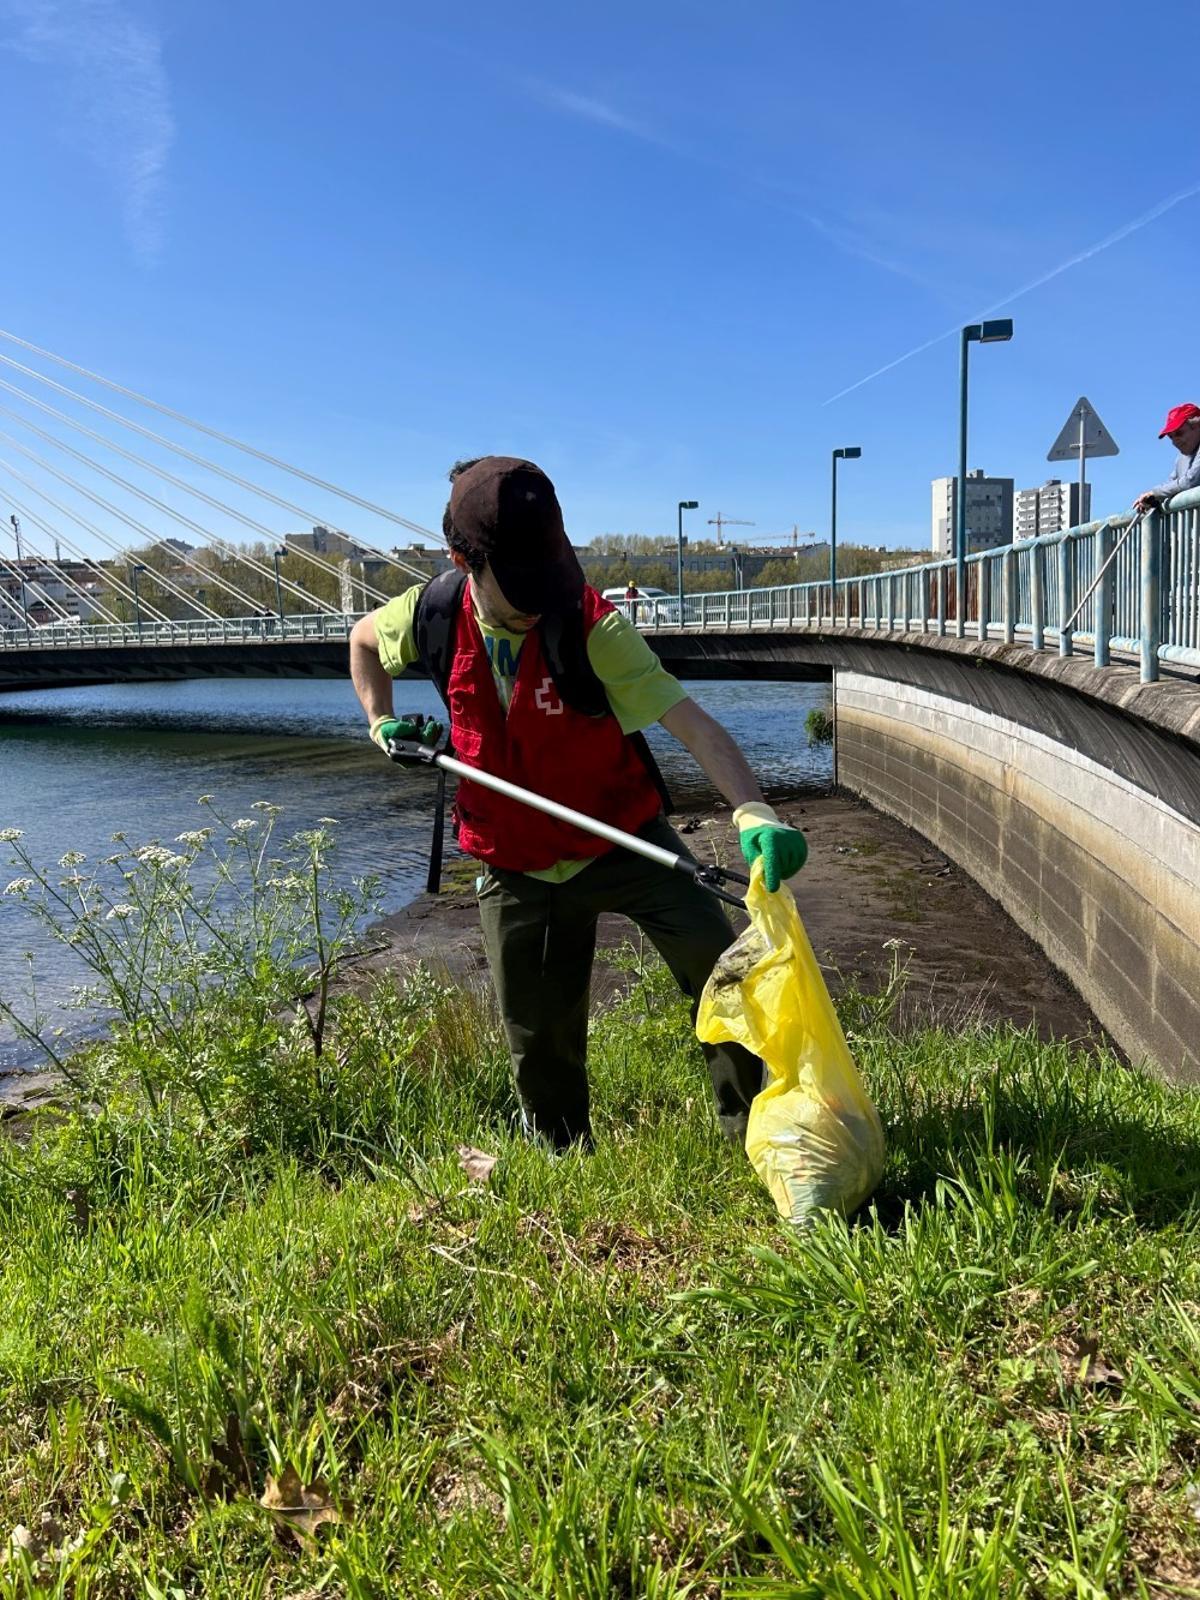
(684, 505)
(997, 332)
(278, 587)
(16, 527)
(137, 599)
(848, 452)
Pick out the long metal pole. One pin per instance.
(278, 589)
(960, 497)
(681, 566)
(833, 546)
(551, 808)
(1083, 516)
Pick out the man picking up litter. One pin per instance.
(549, 686)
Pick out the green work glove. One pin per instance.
(783, 850)
(412, 725)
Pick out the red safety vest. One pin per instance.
(544, 745)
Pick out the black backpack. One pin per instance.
(565, 648)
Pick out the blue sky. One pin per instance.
(644, 245)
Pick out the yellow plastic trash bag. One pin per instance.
(813, 1136)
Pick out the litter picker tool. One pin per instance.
(408, 752)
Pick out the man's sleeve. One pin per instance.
(1184, 475)
(1189, 477)
(640, 690)
(394, 629)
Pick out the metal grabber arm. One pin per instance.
(408, 752)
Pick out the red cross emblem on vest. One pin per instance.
(547, 699)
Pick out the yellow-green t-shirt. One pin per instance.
(639, 689)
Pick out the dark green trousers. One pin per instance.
(541, 939)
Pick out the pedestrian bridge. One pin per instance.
(1036, 717)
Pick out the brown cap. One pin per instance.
(507, 510)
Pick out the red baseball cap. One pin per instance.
(1177, 416)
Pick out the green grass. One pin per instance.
(606, 1376)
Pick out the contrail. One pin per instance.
(1120, 233)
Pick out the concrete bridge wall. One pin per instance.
(1071, 795)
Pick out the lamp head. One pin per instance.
(996, 331)
(849, 452)
(689, 505)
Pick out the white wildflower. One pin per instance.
(111, 861)
(243, 825)
(118, 838)
(120, 913)
(265, 805)
(19, 886)
(332, 821)
(72, 858)
(157, 855)
(72, 880)
(11, 835)
(194, 837)
(204, 800)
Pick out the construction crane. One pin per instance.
(720, 522)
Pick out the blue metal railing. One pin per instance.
(211, 630)
(1128, 584)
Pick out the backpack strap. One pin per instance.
(434, 624)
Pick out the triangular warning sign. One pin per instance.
(1097, 441)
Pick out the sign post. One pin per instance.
(1082, 435)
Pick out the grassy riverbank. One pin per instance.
(604, 1376)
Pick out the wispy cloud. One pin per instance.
(591, 108)
(775, 194)
(1110, 239)
(852, 242)
(117, 104)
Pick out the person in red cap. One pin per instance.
(1182, 428)
(550, 686)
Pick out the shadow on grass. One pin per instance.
(1142, 1160)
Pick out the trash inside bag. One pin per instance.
(813, 1136)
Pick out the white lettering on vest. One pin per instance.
(546, 699)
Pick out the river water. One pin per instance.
(78, 765)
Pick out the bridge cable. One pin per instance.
(152, 539)
(215, 467)
(181, 483)
(56, 565)
(12, 606)
(106, 575)
(62, 575)
(223, 438)
(161, 505)
(168, 511)
(69, 585)
(30, 583)
(123, 552)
